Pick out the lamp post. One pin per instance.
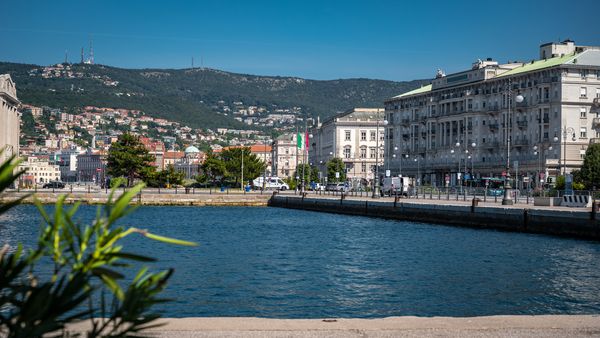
(376, 180)
(418, 180)
(565, 133)
(507, 198)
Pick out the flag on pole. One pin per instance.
(306, 139)
(299, 142)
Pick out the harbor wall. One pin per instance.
(571, 223)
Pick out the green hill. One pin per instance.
(193, 96)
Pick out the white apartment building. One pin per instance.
(9, 118)
(463, 122)
(286, 155)
(39, 170)
(352, 136)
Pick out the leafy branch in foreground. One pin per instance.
(87, 280)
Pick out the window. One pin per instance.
(347, 151)
(347, 135)
(583, 132)
(363, 152)
(363, 135)
(583, 92)
(372, 135)
(582, 113)
(372, 152)
(363, 167)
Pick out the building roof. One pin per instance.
(191, 149)
(421, 90)
(254, 148)
(539, 64)
(589, 57)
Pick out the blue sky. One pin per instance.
(393, 40)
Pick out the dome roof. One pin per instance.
(191, 149)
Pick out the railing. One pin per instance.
(493, 126)
(522, 123)
(521, 142)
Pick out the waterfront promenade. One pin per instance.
(494, 326)
(458, 209)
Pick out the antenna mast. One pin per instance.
(91, 51)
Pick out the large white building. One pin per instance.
(9, 118)
(38, 171)
(286, 155)
(464, 122)
(353, 137)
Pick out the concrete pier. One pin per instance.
(571, 222)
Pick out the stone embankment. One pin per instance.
(149, 198)
(571, 222)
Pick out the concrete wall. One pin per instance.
(543, 221)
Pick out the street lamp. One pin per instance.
(418, 173)
(565, 133)
(507, 199)
(376, 180)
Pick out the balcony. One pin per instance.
(405, 136)
(493, 126)
(595, 140)
(423, 134)
(406, 122)
(596, 123)
(493, 109)
(522, 124)
(492, 145)
(521, 142)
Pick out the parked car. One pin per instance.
(337, 187)
(270, 183)
(54, 185)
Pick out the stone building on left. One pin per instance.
(9, 118)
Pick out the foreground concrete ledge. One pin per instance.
(389, 323)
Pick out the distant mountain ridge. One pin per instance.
(193, 96)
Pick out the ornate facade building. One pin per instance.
(9, 118)
(352, 136)
(537, 118)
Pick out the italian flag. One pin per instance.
(300, 143)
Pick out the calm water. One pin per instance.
(271, 262)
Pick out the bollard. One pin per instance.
(88, 189)
(71, 188)
(464, 195)
(474, 203)
(495, 198)
(395, 200)
(343, 196)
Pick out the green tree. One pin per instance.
(213, 169)
(590, 171)
(86, 282)
(128, 158)
(253, 166)
(336, 165)
(303, 169)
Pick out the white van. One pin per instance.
(271, 183)
(395, 186)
